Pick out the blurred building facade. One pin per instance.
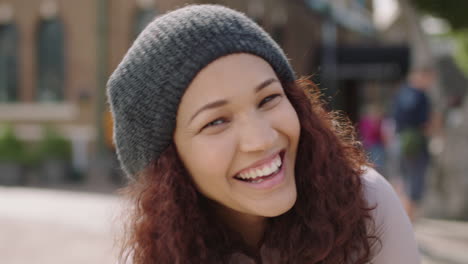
(57, 55)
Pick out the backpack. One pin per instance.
(413, 141)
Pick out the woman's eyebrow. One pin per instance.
(265, 84)
(209, 106)
(220, 103)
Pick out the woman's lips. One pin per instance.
(267, 181)
(258, 166)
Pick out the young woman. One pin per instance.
(232, 159)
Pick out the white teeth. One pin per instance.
(259, 172)
(270, 169)
(278, 162)
(265, 170)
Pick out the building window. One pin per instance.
(361, 3)
(279, 19)
(8, 55)
(278, 34)
(8, 63)
(145, 14)
(50, 53)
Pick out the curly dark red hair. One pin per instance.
(171, 222)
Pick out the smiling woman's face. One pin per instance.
(237, 135)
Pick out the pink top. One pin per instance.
(371, 131)
(391, 222)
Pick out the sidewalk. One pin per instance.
(52, 227)
(442, 242)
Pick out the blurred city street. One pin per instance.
(56, 227)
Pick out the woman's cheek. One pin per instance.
(215, 152)
(285, 119)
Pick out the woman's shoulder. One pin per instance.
(375, 185)
(391, 224)
(380, 195)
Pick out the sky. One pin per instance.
(385, 12)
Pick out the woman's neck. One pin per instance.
(250, 227)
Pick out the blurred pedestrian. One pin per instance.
(231, 162)
(372, 134)
(412, 116)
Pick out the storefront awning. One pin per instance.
(382, 63)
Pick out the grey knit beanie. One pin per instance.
(146, 88)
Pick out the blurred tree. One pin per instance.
(462, 50)
(454, 11)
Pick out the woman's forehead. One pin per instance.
(228, 76)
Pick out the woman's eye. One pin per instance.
(268, 99)
(216, 122)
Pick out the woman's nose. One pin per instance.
(257, 134)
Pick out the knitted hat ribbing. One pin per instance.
(146, 88)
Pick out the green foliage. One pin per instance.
(54, 146)
(461, 56)
(11, 148)
(454, 11)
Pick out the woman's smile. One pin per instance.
(264, 174)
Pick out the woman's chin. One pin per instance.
(277, 206)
